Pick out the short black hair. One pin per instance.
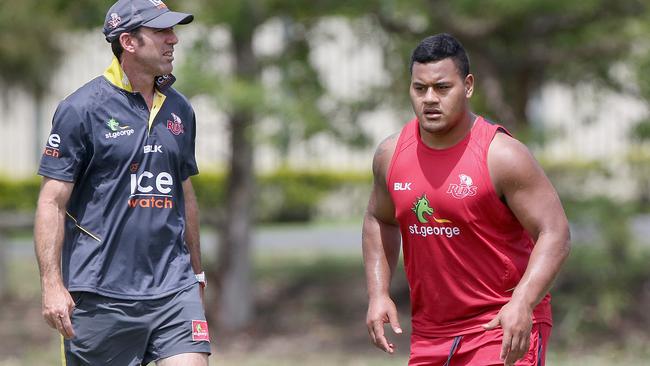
(439, 47)
(116, 46)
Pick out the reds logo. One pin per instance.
(175, 126)
(115, 21)
(464, 189)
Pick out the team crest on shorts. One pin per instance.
(175, 125)
(200, 331)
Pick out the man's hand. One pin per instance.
(380, 311)
(516, 320)
(57, 308)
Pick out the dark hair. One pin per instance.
(439, 47)
(116, 46)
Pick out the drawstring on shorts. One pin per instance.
(454, 348)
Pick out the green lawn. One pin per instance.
(311, 309)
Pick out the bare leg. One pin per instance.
(185, 359)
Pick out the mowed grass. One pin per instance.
(310, 312)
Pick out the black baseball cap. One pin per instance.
(127, 15)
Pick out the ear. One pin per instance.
(128, 42)
(469, 85)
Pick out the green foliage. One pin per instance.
(29, 50)
(571, 178)
(293, 100)
(282, 196)
(31, 31)
(80, 14)
(599, 298)
(599, 284)
(210, 190)
(639, 161)
(641, 131)
(19, 195)
(292, 196)
(517, 46)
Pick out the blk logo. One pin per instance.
(153, 149)
(402, 186)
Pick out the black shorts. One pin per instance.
(111, 331)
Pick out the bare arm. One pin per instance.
(48, 242)
(192, 238)
(381, 246)
(529, 194)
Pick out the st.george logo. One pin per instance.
(117, 130)
(421, 207)
(464, 189)
(175, 125)
(426, 228)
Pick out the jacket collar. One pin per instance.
(116, 76)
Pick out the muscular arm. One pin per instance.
(48, 242)
(381, 246)
(529, 194)
(192, 226)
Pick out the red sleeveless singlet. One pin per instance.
(464, 250)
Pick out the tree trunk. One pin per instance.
(4, 281)
(234, 287)
(38, 127)
(492, 85)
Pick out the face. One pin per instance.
(439, 95)
(153, 50)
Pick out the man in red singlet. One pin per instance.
(483, 229)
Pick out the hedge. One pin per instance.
(281, 196)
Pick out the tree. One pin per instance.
(292, 102)
(29, 51)
(516, 46)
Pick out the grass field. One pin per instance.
(310, 312)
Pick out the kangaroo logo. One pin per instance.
(421, 207)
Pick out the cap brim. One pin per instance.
(168, 20)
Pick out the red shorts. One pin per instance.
(477, 349)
